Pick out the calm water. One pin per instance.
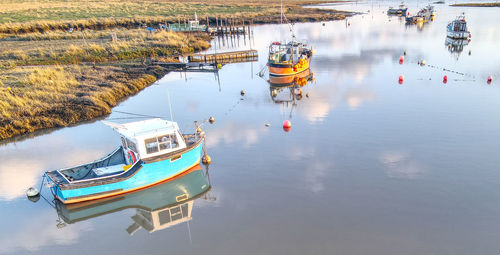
(369, 167)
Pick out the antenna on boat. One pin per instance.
(170, 106)
(281, 12)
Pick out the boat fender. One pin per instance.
(131, 157)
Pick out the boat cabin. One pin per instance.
(458, 25)
(286, 53)
(149, 138)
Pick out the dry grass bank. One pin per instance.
(496, 4)
(33, 98)
(24, 16)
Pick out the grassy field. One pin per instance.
(51, 76)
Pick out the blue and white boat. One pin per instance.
(457, 29)
(152, 151)
(156, 208)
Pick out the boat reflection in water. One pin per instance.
(158, 207)
(286, 90)
(456, 46)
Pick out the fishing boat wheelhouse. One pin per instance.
(288, 58)
(457, 29)
(152, 151)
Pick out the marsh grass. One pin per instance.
(495, 4)
(55, 96)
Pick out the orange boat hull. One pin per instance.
(287, 69)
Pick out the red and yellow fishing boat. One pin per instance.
(288, 58)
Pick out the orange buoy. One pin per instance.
(401, 79)
(445, 79)
(490, 79)
(401, 59)
(287, 124)
(211, 120)
(287, 129)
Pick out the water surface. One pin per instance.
(369, 166)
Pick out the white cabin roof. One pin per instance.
(144, 127)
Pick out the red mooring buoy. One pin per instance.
(445, 79)
(401, 59)
(401, 79)
(287, 124)
(490, 79)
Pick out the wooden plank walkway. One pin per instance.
(225, 57)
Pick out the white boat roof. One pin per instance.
(144, 127)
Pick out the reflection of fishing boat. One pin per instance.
(300, 78)
(157, 207)
(455, 46)
(288, 89)
(398, 11)
(457, 29)
(152, 151)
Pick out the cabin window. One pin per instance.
(131, 145)
(163, 142)
(123, 143)
(151, 145)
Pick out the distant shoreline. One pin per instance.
(496, 4)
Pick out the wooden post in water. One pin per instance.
(216, 25)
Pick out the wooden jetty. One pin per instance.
(225, 57)
(229, 26)
(188, 67)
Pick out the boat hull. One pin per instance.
(148, 175)
(188, 186)
(287, 69)
(280, 81)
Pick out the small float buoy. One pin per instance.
(219, 66)
(422, 63)
(198, 130)
(287, 124)
(206, 160)
(490, 79)
(401, 59)
(211, 120)
(470, 52)
(33, 194)
(323, 24)
(307, 95)
(401, 79)
(445, 79)
(299, 92)
(404, 53)
(267, 124)
(242, 92)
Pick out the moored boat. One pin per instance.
(398, 11)
(158, 207)
(288, 58)
(152, 151)
(457, 29)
